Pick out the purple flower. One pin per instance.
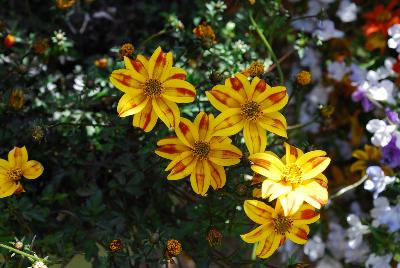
(392, 115)
(391, 154)
(359, 96)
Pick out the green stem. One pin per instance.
(348, 188)
(268, 46)
(29, 256)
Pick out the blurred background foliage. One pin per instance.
(102, 180)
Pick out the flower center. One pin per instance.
(152, 87)
(251, 110)
(282, 224)
(384, 16)
(15, 174)
(292, 174)
(201, 149)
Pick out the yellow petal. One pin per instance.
(236, 84)
(7, 187)
(167, 111)
(145, 119)
(277, 190)
(224, 154)
(314, 193)
(186, 132)
(273, 99)
(267, 165)
(141, 65)
(218, 175)
(177, 73)
(229, 122)
(32, 169)
(222, 98)
(298, 234)
(270, 246)
(292, 153)
(156, 62)
(200, 178)
(314, 166)
(258, 211)
(128, 81)
(179, 91)
(258, 234)
(274, 122)
(258, 86)
(183, 167)
(170, 148)
(165, 66)
(255, 137)
(305, 215)
(4, 167)
(17, 157)
(291, 202)
(129, 105)
(205, 125)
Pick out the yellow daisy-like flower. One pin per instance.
(275, 227)
(294, 179)
(198, 153)
(371, 155)
(252, 107)
(17, 166)
(152, 88)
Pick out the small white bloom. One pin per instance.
(347, 11)
(326, 30)
(375, 261)
(382, 132)
(377, 180)
(58, 37)
(394, 41)
(337, 70)
(336, 240)
(356, 231)
(315, 248)
(357, 255)
(383, 91)
(39, 264)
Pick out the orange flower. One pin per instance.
(9, 41)
(381, 18)
(152, 88)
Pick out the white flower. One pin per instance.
(58, 37)
(394, 41)
(79, 84)
(384, 214)
(382, 91)
(328, 262)
(39, 264)
(337, 70)
(356, 231)
(356, 255)
(347, 11)
(315, 248)
(382, 132)
(336, 240)
(377, 180)
(326, 30)
(375, 261)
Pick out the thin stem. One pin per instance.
(163, 31)
(281, 59)
(29, 256)
(304, 17)
(268, 46)
(348, 188)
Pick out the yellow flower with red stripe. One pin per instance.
(275, 227)
(16, 167)
(197, 153)
(252, 107)
(295, 178)
(152, 88)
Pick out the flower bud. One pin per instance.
(9, 41)
(115, 245)
(16, 99)
(303, 78)
(126, 50)
(173, 248)
(214, 236)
